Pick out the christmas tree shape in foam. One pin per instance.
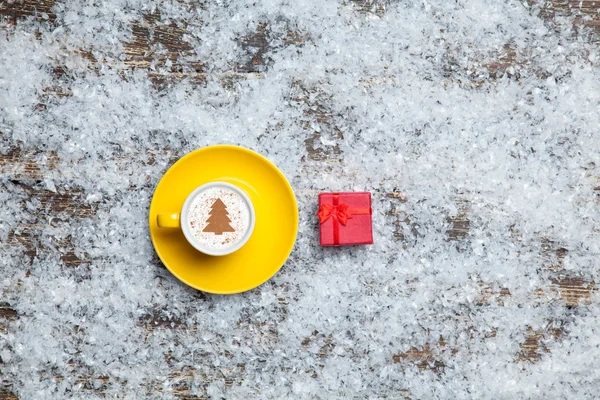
(218, 222)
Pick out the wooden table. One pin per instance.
(160, 43)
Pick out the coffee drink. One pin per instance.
(218, 217)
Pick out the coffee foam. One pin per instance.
(218, 225)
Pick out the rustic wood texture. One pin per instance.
(7, 315)
(376, 7)
(18, 9)
(311, 101)
(586, 13)
(161, 49)
(459, 224)
(427, 357)
(15, 164)
(534, 346)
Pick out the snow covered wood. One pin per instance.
(473, 123)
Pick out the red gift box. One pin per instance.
(345, 218)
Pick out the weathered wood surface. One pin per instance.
(157, 46)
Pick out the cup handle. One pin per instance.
(167, 220)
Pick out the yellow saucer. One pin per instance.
(274, 233)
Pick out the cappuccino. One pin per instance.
(218, 218)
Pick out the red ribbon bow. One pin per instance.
(340, 213)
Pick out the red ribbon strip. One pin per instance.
(340, 213)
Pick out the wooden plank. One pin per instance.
(530, 349)
(28, 237)
(160, 48)
(585, 13)
(258, 44)
(161, 318)
(568, 291)
(575, 291)
(29, 168)
(64, 202)
(427, 356)
(158, 45)
(534, 346)
(19, 9)
(7, 315)
(397, 217)
(70, 201)
(16, 164)
(553, 254)
(369, 7)
(7, 394)
(504, 63)
(323, 344)
(489, 294)
(460, 223)
(324, 136)
(184, 381)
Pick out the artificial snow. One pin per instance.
(395, 102)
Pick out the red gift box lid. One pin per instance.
(358, 229)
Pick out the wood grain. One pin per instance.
(256, 46)
(16, 164)
(532, 349)
(399, 218)
(459, 224)
(259, 44)
(66, 203)
(489, 294)
(69, 200)
(426, 357)
(7, 394)
(319, 123)
(161, 318)
(321, 343)
(19, 9)
(155, 44)
(7, 315)
(160, 48)
(535, 344)
(585, 14)
(575, 290)
(376, 7)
